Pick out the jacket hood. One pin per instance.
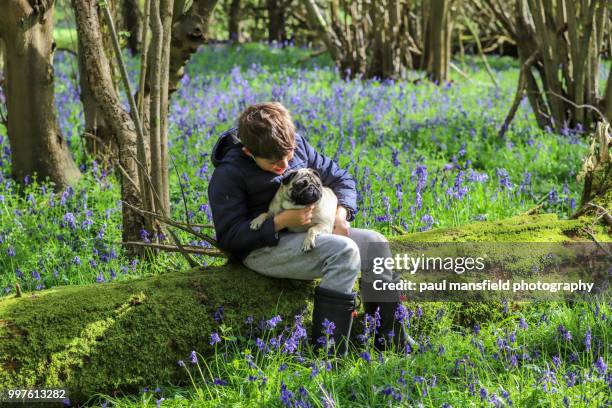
(227, 147)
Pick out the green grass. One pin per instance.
(514, 364)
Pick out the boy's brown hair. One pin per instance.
(267, 130)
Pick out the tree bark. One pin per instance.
(188, 33)
(569, 37)
(436, 46)
(133, 23)
(276, 21)
(102, 88)
(235, 21)
(166, 15)
(37, 146)
(154, 75)
(607, 100)
(99, 139)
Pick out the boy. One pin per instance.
(249, 163)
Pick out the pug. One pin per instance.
(299, 189)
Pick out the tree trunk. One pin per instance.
(436, 46)
(37, 146)
(188, 33)
(104, 338)
(235, 21)
(1, 54)
(107, 100)
(99, 139)
(607, 100)
(154, 76)
(133, 23)
(276, 21)
(569, 38)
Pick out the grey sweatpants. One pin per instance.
(336, 259)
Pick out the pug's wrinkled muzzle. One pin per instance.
(307, 196)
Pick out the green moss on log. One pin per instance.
(121, 336)
(525, 228)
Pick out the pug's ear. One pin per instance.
(288, 177)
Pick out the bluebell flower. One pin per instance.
(427, 221)
(553, 197)
(601, 366)
(219, 314)
(214, 338)
(556, 361)
(286, 396)
(219, 381)
(70, 219)
(193, 357)
(273, 322)
(504, 179)
(329, 327)
(587, 340)
(366, 356)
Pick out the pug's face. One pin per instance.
(303, 186)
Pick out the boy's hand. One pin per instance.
(341, 225)
(293, 218)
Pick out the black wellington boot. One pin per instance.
(383, 340)
(338, 308)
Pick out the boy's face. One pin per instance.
(276, 166)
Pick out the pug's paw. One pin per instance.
(309, 243)
(258, 221)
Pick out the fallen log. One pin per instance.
(106, 338)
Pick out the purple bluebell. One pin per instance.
(365, 356)
(273, 322)
(504, 179)
(601, 366)
(214, 338)
(556, 361)
(220, 382)
(329, 327)
(587, 340)
(219, 314)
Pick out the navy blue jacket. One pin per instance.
(239, 191)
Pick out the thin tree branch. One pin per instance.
(173, 223)
(601, 115)
(520, 91)
(172, 248)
